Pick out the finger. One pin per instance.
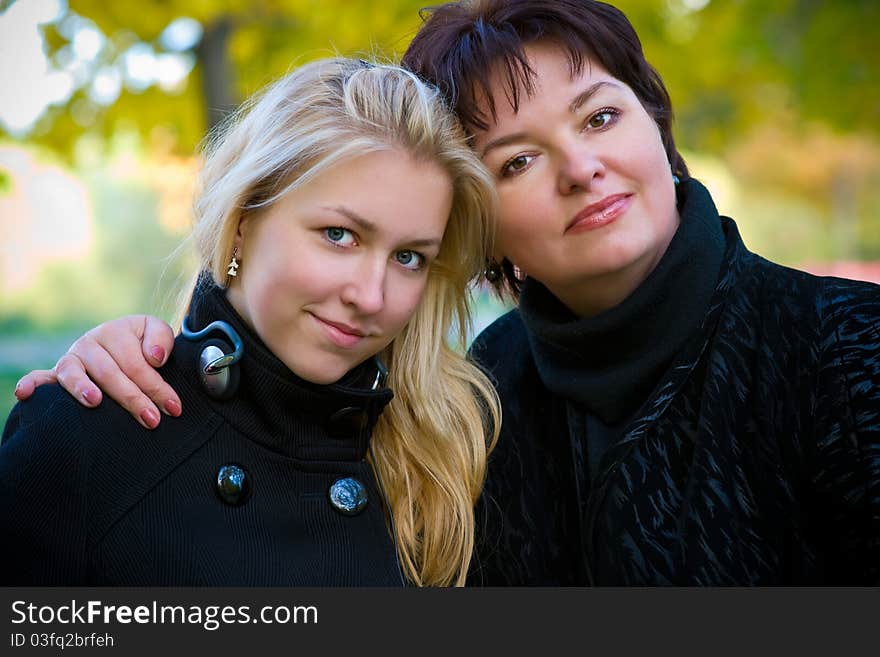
(70, 372)
(134, 359)
(31, 381)
(158, 340)
(107, 373)
(157, 343)
(122, 340)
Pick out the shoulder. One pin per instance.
(52, 443)
(503, 351)
(769, 294)
(749, 275)
(55, 442)
(831, 324)
(53, 421)
(830, 301)
(849, 332)
(502, 347)
(48, 422)
(497, 338)
(855, 303)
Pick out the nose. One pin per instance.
(579, 168)
(365, 288)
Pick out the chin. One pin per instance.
(320, 373)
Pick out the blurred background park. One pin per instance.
(103, 104)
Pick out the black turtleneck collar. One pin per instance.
(274, 406)
(609, 363)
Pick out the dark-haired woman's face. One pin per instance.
(586, 191)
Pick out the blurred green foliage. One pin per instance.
(730, 65)
(265, 39)
(777, 105)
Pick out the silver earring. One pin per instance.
(233, 264)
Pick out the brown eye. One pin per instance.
(516, 164)
(601, 119)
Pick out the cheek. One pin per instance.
(518, 202)
(283, 285)
(520, 218)
(271, 308)
(656, 176)
(646, 156)
(301, 269)
(403, 301)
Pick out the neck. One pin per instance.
(236, 299)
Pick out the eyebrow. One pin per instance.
(363, 224)
(368, 226)
(578, 102)
(584, 96)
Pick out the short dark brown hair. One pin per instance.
(460, 44)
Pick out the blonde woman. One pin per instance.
(340, 218)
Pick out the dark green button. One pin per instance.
(233, 484)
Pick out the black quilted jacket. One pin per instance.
(756, 461)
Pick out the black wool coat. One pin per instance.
(754, 461)
(89, 497)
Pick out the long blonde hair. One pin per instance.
(430, 446)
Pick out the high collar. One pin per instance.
(610, 363)
(274, 406)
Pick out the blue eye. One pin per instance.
(410, 259)
(339, 236)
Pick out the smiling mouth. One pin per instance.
(342, 335)
(600, 213)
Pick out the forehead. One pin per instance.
(390, 191)
(552, 72)
(553, 80)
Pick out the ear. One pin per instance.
(244, 225)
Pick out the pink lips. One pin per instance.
(342, 335)
(600, 213)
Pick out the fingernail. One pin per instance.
(88, 395)
(149, 418)
(158, 354)
(172, 408)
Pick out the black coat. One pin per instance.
(755, 461)
(89, 497)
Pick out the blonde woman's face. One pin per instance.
(332, 272)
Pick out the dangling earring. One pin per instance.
(493, 271)
(233, 264)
